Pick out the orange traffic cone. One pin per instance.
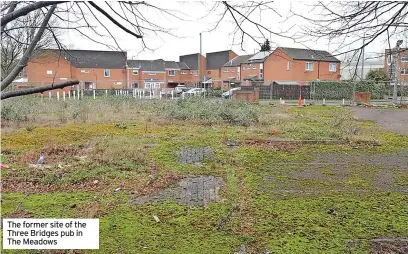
(300, 101)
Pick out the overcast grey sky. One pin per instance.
(197, 18)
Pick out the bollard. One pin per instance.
(324, 101)
(93, 91)
(42, 97)
(57, 95)
(49, 95)
(69, 95)
(82, 94)
(304, 101)
(172, 95)
(160, 96)
(63, 95)
(280, 100)
(343, 102)
(106, 92)
(73, 94)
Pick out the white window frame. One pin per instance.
(404, 61)
(183, 72)
(404, 71)
(104, 73)
(151, 73)
(233, 70)
(49, 72)
(147, 85)
(288, 66)
(174, 73)
(84, 71)
(306, 67)
(254, 67)
(135, 72)
(191, 72)
(225, 70)
(330, 67)
(195, 73)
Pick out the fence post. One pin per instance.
(73, 94)
(324, 101)
(93, 94)
(63, 95)
(49, 95)
(82, 94)
(57, 95)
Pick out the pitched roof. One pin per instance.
(191, 60)
(215, 60)
(237, 60)
(258, 57)
(92, 58)
(183, 65)
(147, 65)
(309, 54)
(171, 65)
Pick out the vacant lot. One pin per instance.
(222, 176)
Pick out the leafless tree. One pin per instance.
(89, 19)
(17, 38)
(352, 26)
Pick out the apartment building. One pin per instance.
(197, 65)
(94, 69)
(215, 62)
(231, 71)
(401, 63)
(301, 65)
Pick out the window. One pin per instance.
(183, 72)
(261, 73)
(152, 73)
(191, 72)
(135, 85)
(288, 66)
(404, 59)
(49, 72)
(172, 73)
(106, 73)
(195, 73)
(309, 66)
(135, 72)
(208, 72)
(254, 67)
(232, 70)
(225, 70)
(84, 71)
(332, 67)
(404, 71)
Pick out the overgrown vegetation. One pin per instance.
(279, 195)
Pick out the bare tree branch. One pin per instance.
(6, 95)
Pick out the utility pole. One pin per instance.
(199, 64)
(362, 63)
(397, 73)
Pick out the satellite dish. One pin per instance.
(390, 59)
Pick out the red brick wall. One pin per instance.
(251, 96)
(275, 68)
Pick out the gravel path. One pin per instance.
(389, 119)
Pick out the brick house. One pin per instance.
(94, 69)
(147, 73)
(231, 71)
(157, 73)
(301, 65)
(215, 62)
(402, 74)
(192, 78)
(253, 68)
